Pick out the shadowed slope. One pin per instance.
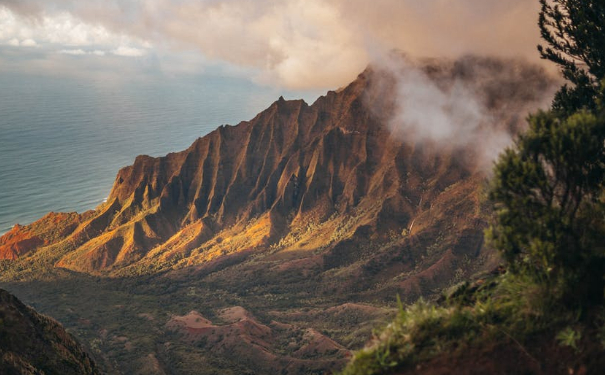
(34, 344)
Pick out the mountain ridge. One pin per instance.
(287, 161)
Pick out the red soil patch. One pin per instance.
(18, 242)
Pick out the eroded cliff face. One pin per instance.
(325, 186)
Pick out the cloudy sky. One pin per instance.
(297, 44)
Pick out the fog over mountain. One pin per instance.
(472, 105)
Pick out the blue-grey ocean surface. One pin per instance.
(62, 141)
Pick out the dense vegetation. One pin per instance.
(545, 307)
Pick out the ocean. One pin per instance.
(63, 140)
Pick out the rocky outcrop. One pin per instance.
(31, 343)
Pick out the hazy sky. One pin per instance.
(291, 43)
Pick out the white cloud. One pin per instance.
(323, 43)
(14, 42)
(61, 30)
(129, 51)
(29, 43)
(81, 52)
(297, 43)
(74, 52)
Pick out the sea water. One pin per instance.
(62, 140)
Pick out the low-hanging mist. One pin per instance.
(473, 105)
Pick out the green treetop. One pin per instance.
(574, 31)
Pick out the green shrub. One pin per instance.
(546, 194)
(569, 337)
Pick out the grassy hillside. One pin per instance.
(497, 324)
